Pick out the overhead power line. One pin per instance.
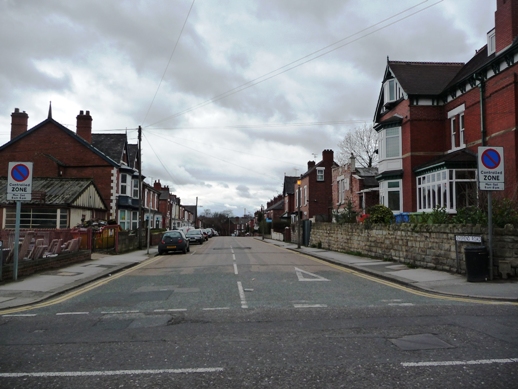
(303, 60)
(168, 62)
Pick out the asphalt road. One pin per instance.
(240, 313)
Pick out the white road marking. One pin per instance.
(20, 315)
(117, 312)
(71, 313)
(111, 372)
(233, 257)
(300, 275)
(244, 304)
(310, 305)
(235, 269)
(170, 310)
(457, 363)
(214, 309)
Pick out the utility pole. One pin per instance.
(139, 187)
(299, 221)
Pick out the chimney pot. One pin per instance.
(84, 126)
(19, 123)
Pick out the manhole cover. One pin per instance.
(420, 342)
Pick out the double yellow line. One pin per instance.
(81, 290)
(407, 289)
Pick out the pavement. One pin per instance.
(48, 284)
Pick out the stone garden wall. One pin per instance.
(421, 245)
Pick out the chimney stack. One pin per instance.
(506, 23)
(19, 122)
(84, 126)
(311, 164)
(327, 156)
(352, 163)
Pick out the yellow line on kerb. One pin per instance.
(406, 288)
(80, 291)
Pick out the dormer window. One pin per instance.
(392, 91)
(491, 42)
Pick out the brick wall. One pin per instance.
(422, 245)
(27, 268)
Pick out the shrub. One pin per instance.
(348, 215)
(505, 211)
(380, 214)
(470, 215)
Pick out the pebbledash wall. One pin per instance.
(422, 245)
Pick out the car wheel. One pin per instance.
(184, 250)
(160, 252)
(189, 249)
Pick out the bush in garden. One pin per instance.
(380, 214)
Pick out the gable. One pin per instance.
(51, 140)
(418, 79)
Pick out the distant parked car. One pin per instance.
(195, 236)
(174, 240)
(209, 232)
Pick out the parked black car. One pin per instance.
(174, 240)
(195, 236)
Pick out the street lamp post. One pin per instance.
(262, 221)
(299, 224)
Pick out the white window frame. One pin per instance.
(135, 188)
(383, 143)
(457, 123)
(320, 174)
(305, 195)
(491, 42)
(440, 189)
(124, 220)
(123, 187)
(390, 90)
(461, 130)
(388, 186)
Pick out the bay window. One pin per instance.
(450, 189)
(390, 195)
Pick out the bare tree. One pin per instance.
(362, 142)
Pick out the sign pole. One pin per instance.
(491, 177)
(16, 240)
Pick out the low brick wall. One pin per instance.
(27, 268)
(421, 245)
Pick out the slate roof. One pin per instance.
(424, 78)
(368, 174)
(113, 145)
(132, 155)
(58, 191)
(94, 149)
(463, 158)
(289, 185)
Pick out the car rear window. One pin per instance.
(173, 235)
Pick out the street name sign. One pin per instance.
(491, 168)
(19, 181)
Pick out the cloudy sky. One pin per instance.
(231, 94)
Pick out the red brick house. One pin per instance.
(355, 184)
(288, 193)
(275, 208)
(57, 152)
(315, 190)
(429, 115)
